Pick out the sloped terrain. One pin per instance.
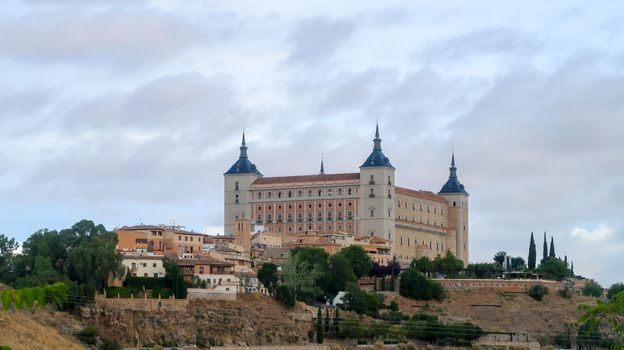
(496, 311)
(22, 330)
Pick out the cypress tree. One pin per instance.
(552, 247)
(572, 268)
(565, 260)
(319, 326)
(383, 283)
(545, 251)
(337, 321)
(327, 323)
(532, 253)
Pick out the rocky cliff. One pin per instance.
(251, 320)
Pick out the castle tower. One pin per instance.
(457, 197)
(243, 234)
(237, 196)
(376, 205)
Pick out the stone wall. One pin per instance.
(142, 304)
(210, 294)
(278, 347)
(511, 286)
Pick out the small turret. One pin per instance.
(453, 185)
(377, 158)
(243, 165)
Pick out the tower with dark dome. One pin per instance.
(455, 194)
(237, 180)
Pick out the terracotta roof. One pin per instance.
(306, 178)
(420, 194)
(160, 228)
(203, 260)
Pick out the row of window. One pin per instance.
(300, 206)
(439, 246)
(435, 209)
(309, 217)
(299, 194)
(311, 227)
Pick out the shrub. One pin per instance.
(28, 294)
(592, 289)
(379, 330)
(145, 282)
(40, 296)
(350, 328)
(615, 289)
(88, 335)
(7, 296)
(538, 291)
(393, 316)
(285, 295)
(566, 292)
(364, 303)
(109, 344)
(4, 347)
(415, 285)
(429, 328)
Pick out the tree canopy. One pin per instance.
(416, 286)
(553, 268)
(267, 275)
(360, 261)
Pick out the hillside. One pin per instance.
(22, 330)
(251, 320)
(504, 312)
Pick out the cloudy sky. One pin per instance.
(129, 111)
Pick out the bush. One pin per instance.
(28, 294)
(88, 335)
(7, 297)
(109, 344)
(393, 316)
(429, 328)
(350, 328)
(538, 291)
(145, 282)
(592, 289)
(364, 303)
(615, 289)
(4, 347)
(566, 292)
(379, 330)
(415, 285)
(285, 295)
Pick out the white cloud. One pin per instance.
(600, 233)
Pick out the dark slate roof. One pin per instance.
(243, 166)
(377, 158)
(453, 185)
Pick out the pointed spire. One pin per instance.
(453, 169)
(322, 165)
(377, 140)
(243, 147)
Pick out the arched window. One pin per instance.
(320, 193)
(329, 192)
(300, 194)
(289, 194)
(236, 186)
(269, 194)
(340, 191)
(279, 194)
(259, 195)
(371, 180)
(372, 213)
(309, 193)
(349, 191)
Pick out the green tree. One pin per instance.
(43, 273)
(483, 270)
(448, 264)
(422, 264)
(341, 274)
(267, 275)
(415, 285)
(360, 261)
(319, 326)
(610, 313)
(545, 248)
(302, 277)
(327, 321)
(615, 289)
(532, 254)
(518, 263)
(552, 247)
(593, 289)
(500, 257)
(285, 295)
(363, 302)
(7, 247)
(95, 258)
(175, 278)
(553, 268)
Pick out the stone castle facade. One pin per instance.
(365, 203)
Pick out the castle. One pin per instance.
(365, 203)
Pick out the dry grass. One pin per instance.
(21, 332)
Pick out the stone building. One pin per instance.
(367, 203)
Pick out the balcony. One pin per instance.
(372, 195)
(371, 182)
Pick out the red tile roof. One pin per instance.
(420, 194)
(307, 178)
